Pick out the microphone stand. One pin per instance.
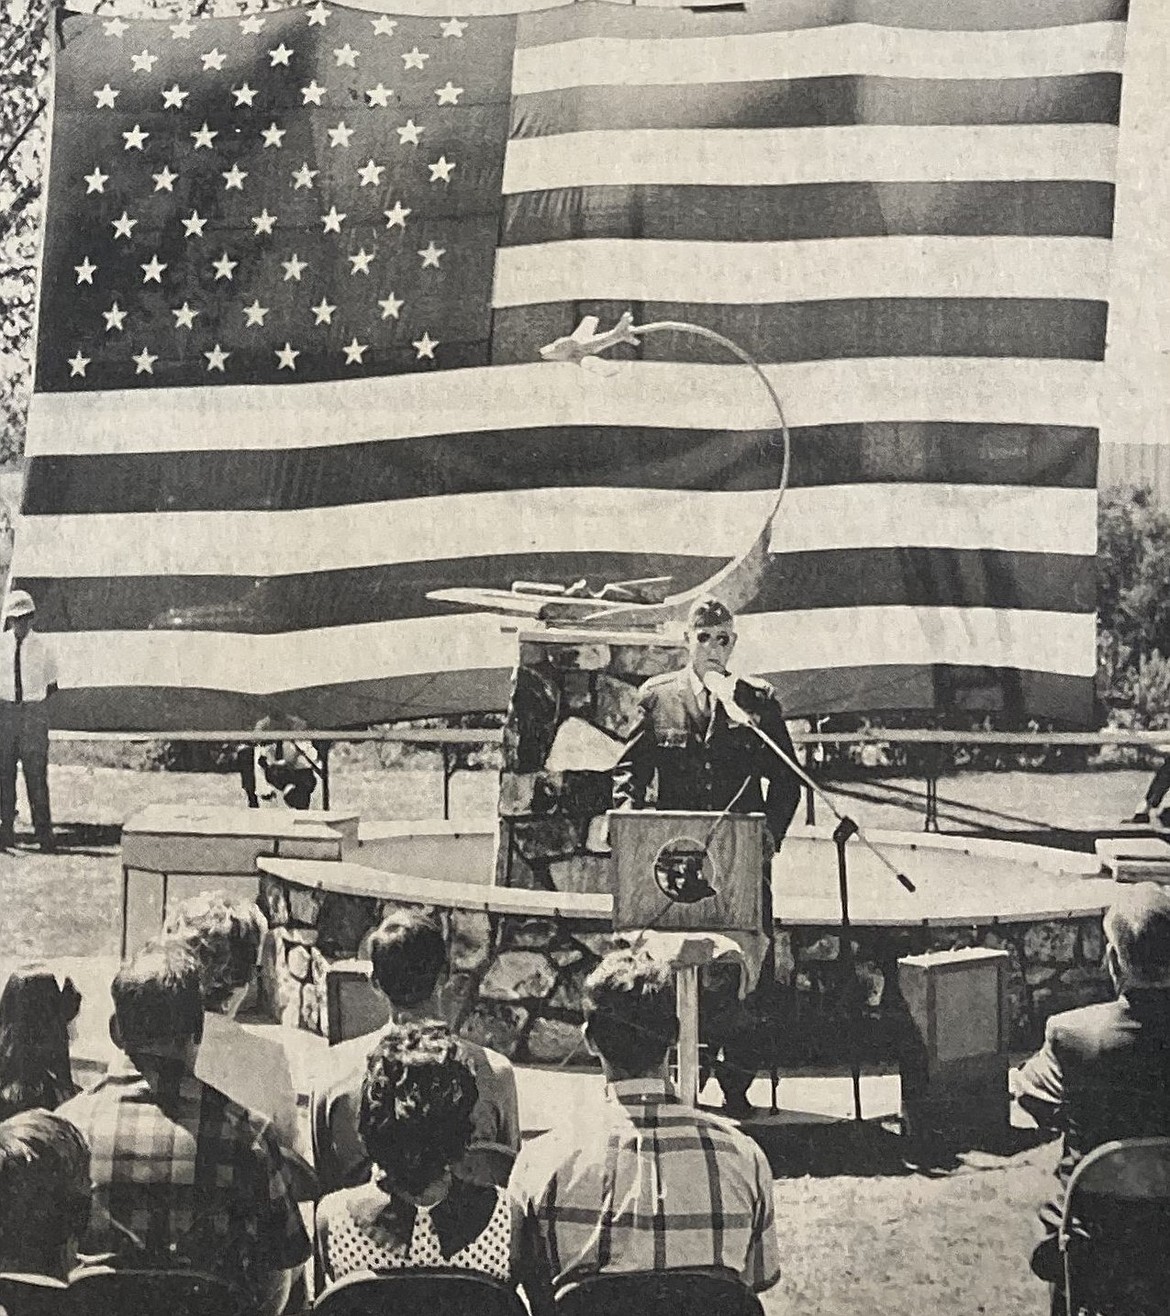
(846, 828)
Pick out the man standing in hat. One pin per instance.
(28, 677)
(706, 763)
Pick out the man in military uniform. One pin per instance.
(706, 762)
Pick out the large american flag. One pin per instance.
(298, 267)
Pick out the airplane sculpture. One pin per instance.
(645, 603)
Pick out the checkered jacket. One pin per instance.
(644, 1184)
(183, 1177)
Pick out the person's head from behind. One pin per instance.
(1137, 934)
(416, 1106)
(224, 935)
(158, 1003)
(44, 1193)
(408, 959)
(630, 1020)
(36, 1014)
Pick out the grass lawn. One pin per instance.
(862, 1232)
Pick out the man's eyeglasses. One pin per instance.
(721, 638)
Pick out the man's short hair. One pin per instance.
(630, 1010)
(1137, 925)
(709, 612)
(158, 1002)
(44, 1185)
(408, 954)
(224, 935)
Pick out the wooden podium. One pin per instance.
(687, 874)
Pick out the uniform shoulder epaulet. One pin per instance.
(653, 682)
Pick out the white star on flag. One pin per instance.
(340, 135)
(173, 97)
(244, 96)
(114, 317)
(144, 362)
(319, 15)
(212, 59)
(303, 177)
(311, 95)
(396, 215)
(449, 95)
(193, 225)
(390, 305)
(380, 96)
(323, 312)
(371, 173)
(414, 59)
(96, 182)
(255, 313)
(224, 266)
(361, 262)
(430, 255)
(216, 357)
(453, 27)
(152, 270)
(384, 26)
(333, 220)
(273, 136)
(164, 180)
(293, 267)
(184, 316)
(425, 346)
(106, 96)
(353, 351)
(281, 55)
(287, 357)
(85, 271)
(182, 31)
(143, 62)
(234, 178)
(346, 56)
(204, 136)
(114, 27)
(77, 364)
(441, 169)
(409, 132)
(135, 139)
(252, 24)
(123, 226)
(263, 222)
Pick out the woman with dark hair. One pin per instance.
(416, 1211)
(36, 1012)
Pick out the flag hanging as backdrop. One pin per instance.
(298, 267)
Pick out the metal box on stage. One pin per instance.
(698, 872)
(955, 1061)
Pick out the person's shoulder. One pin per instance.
(755, 687)
(486, 1061)
(729, 1138)
(1087, 1023)
(656, 685)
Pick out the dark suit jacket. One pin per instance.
(1103, 1073)
(701, 766)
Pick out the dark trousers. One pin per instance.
(24, 739)
(1156, 791)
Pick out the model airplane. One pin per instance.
(585, 342)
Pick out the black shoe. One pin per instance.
(47, 844)
(736, 1106)
(7, 840)
(1142, 816)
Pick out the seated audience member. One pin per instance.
(282, 771)
(415, 1121)
(224, 935)
(36, 1016)
(44, 1204)
(409, 966)
(621, 1187)
(1104, 1070)
(183, 1176)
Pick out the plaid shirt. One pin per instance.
(185, 1177)
(643, 1184)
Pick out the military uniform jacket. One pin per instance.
(703, 763)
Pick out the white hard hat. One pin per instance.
(19, 604)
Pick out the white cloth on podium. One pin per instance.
(684, 949)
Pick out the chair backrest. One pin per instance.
(102, 1291)
(421, 1292)
(1115, 1228)
(687, 1291)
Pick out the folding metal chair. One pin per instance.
(687, 1291)
(422, 1292)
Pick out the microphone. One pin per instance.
(722, 687)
